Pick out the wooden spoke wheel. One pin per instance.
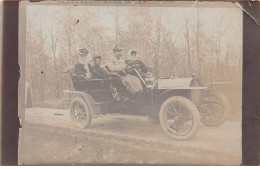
(80, 113)
(179, 117)
(218, 106)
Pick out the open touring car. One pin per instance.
(179, 105)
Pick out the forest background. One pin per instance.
(206, 42)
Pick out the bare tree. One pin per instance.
(54, 40)
(171, 48)
(187, 37)
(218, 44)
(212, 40)
(158, 42)
(198, 42)
(43, 65)
(117, 27)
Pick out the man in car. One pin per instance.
(117, 64)
(81, 68)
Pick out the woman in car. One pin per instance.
(96, 70)
(132, 56)
(81, 68)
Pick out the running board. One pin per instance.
(120, 116)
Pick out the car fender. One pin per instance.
(186, 87)
(187, 92)
(161, 96)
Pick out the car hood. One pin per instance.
(181, 83)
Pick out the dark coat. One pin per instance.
(143, 69)
(97, 72)
(80, 69)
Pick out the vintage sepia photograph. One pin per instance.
(144, 83)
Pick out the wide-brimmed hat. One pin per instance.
(83, 52)
(117, 49)
(96, 57)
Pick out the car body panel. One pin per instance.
(100, 90)
(174, 83)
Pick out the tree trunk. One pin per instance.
(183, 61)
(53, 47)
(218, 44)
(158, 43)
(198, 44)
(188, 45)
(212, 58)
(117, 28)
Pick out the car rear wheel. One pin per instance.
(80, 113)
(218, 109)
(179, 117)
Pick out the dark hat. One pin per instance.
(83, 51)
(96, 57)
(133, 52)
(117, 49)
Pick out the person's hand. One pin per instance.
(105, 70)
(129, 67)
(124, 72)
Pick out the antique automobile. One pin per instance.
(179, 105)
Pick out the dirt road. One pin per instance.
(50, 138)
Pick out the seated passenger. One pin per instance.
(96, 70)
(143, 69)
(81, 68)
(117, 64)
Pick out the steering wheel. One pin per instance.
(133, 64)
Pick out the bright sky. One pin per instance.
(45, 15)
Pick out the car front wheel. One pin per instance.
(179, 117)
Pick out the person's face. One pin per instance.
(97, 61)
(118, 54)
(83, 57)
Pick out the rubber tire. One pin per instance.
(226, 112)
(194, 111)
(84, 103)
